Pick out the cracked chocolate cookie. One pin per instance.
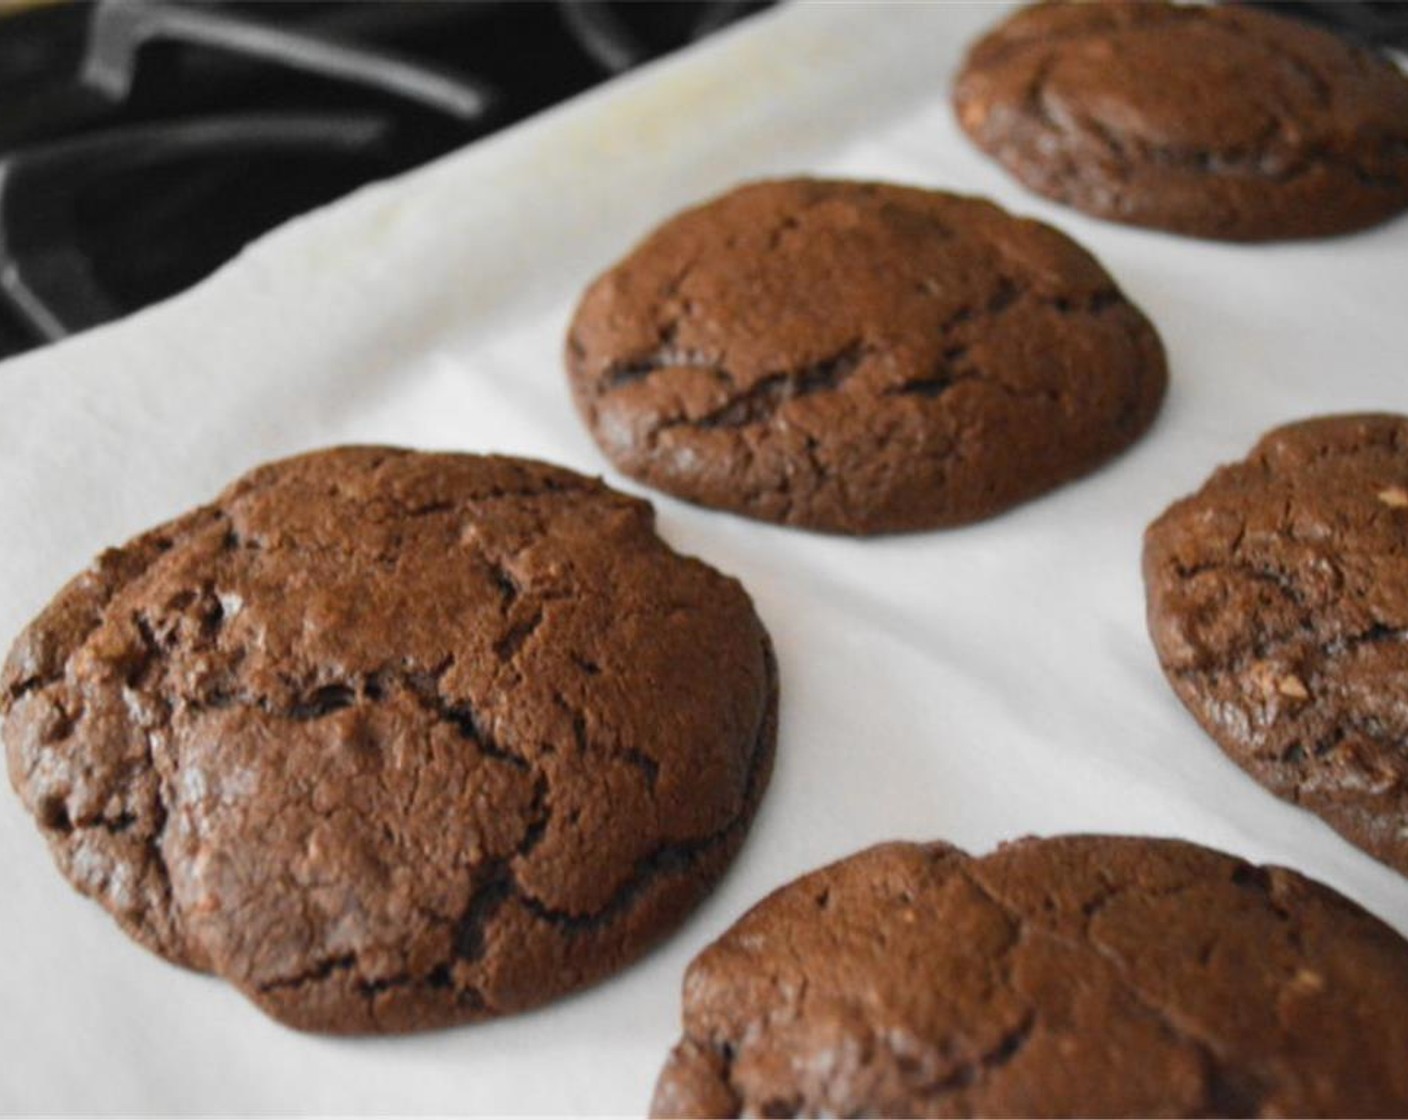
(1278, 603)
(393, 740)
(1073, 976)
(860, 358)
(1213, 121)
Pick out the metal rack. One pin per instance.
(143, 142)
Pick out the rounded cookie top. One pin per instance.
(1074, 976)
(860, 358)
(393, 740)
(1278, 603)
(1213, 121)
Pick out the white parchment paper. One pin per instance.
(973, 685)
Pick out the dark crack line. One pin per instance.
(156, 545)
(1219, 1076)
(1377, 634)
(588, 748)
(503, 580)
(317, 972)
(760, 403)
(500, 885)
(322, 701)
(672, 856)
(21, 688)
(508, 646)
(668, 859)
(634, 370)
(497, 887)
(1207, 1049)
(953, 367)
(975, 1069)
(949, 374)
(431, 509)
(1330, 648)
(968, 1071)
(331, 697)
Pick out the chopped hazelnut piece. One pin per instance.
(1395, 497)
(1269, 678)
(1292, 686)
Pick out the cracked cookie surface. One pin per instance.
(860, 358)
(393, 740)
(1071, 976)
(1278, 604)
(1212, 121)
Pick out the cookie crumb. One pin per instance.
(1395, 497)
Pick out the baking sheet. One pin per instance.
(972, 685)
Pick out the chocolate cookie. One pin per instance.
(860, 358)
(394, 740)
(1214, 121)
(1278, 603)
(1075, 976)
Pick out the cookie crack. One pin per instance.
(468, 941)
(1231, 1094)
(760, 403)
(21, 688)
(111, 582)
(496, 888)
(459, 713)
(327, 697)
(961, 1075)
(1325, 645)
(314, 974)
(953, 367)
(128, 820)
(499, 884)
(632, 756)
(1225, 1089)
(1377, 634)
(517, 635)
(668, 859)
(1002, 1053)
(673, 856)
(371, 988)
(629, 371)
(950, 372)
